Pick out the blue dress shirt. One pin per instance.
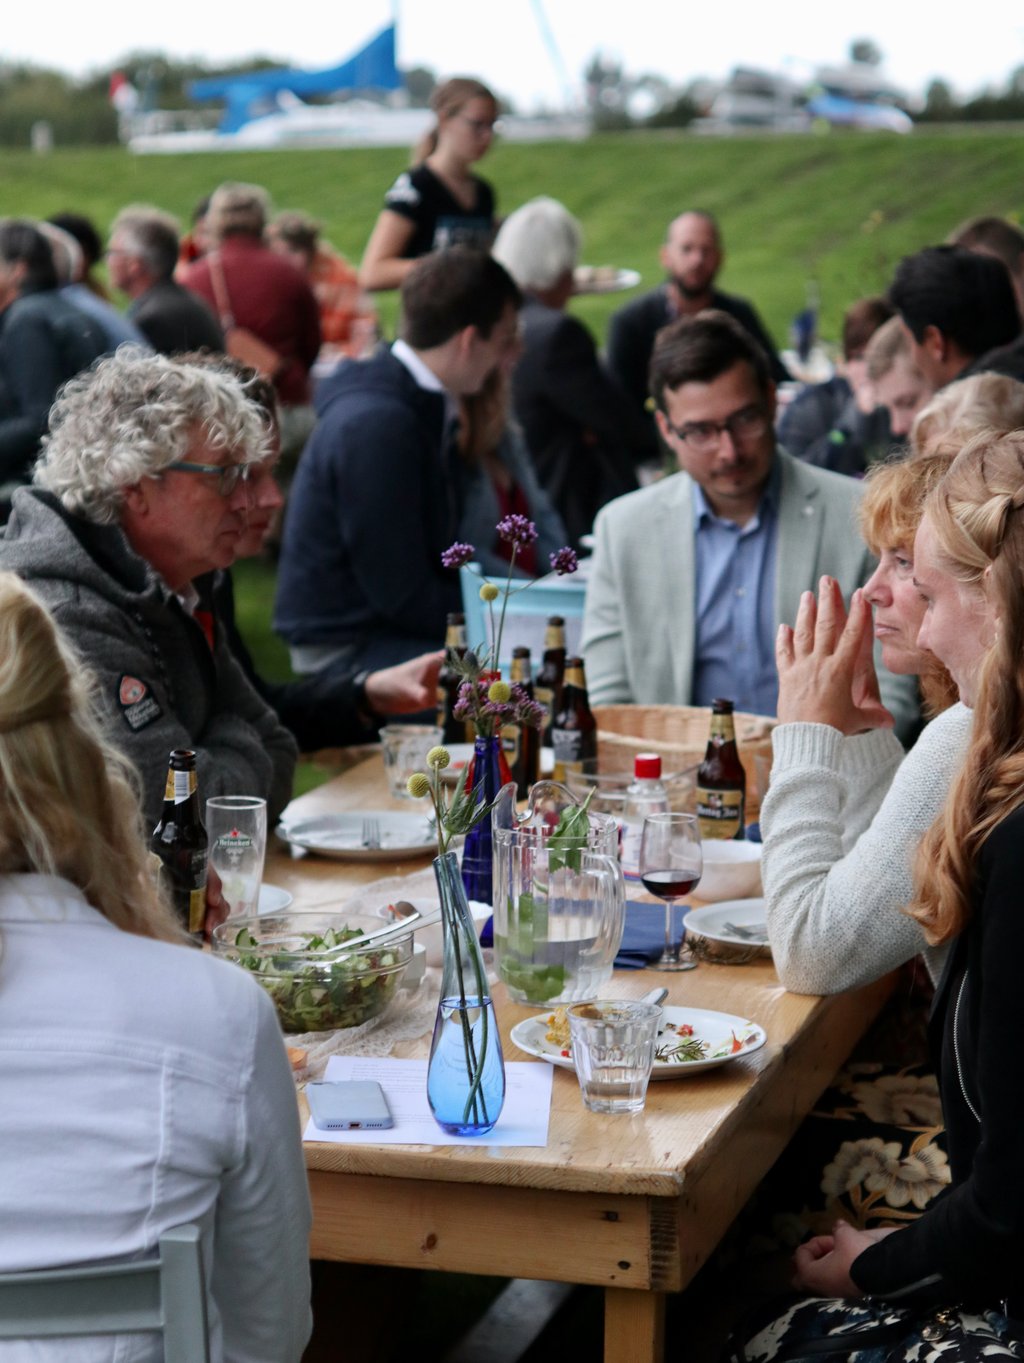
(734, 647)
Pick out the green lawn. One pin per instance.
(839, 207)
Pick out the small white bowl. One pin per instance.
(732, 870)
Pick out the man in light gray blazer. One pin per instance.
(692, 576)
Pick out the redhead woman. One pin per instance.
(439, 202)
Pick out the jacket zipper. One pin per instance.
(956, 1050)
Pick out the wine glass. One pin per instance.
(671, 864)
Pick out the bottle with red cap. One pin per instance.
(645, 795)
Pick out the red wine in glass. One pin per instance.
(673, 884)
(671, 863)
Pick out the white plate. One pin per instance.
(586, 282)
(273, 899)
(461, 753)
(341, 835)
(717, 1029)
(710, 921)
(428, 929)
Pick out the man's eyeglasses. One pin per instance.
(228, 475)
(750, 423)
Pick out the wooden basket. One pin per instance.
(680, 734)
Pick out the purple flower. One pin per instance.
(457, 554)
(517, 530)
(564, 561)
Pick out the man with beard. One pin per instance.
(692, 255)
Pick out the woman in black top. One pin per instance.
(440, 202)
(968, 1247)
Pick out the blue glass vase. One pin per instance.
(489, 773)
(466, 1070)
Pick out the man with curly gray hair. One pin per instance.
(145, 482)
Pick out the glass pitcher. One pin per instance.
(559, 905)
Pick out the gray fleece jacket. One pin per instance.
(159, 684)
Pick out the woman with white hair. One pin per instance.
(583, 435)
(145, 1083)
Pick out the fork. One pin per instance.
(371, 833)
(756, 932)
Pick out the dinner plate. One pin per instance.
(587, 279)
(272, 899)
(461, 753)
(341, 835)
(710, 921)
(727, 1037)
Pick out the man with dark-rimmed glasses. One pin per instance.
(692, 576)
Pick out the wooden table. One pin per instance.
(631, 1204)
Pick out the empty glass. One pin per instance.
(236, 826)
(613, 1044)
(405, 748)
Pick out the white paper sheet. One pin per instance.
(523, 1120)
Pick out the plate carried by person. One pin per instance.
(689, 1039)
(603, 279)
(352, 837)
(272, 899)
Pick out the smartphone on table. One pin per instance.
(349, 1105)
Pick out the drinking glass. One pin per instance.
(613, 1044)
(236, 826)
(405, 748)
(670, 866)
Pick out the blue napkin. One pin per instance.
(643, 938)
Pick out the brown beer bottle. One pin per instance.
(574, 729)
(721, 779)
(548, 686)
(180, 841)
(522, 741)
(449, 681)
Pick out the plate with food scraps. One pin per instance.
(689, 1039)
(352, 837)
(462, 753)
(604, 279)
(739, 922)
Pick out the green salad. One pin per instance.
(320, 996)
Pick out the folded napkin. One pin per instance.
(643, 938)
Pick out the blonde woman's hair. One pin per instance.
(984, 402)
(977, 515)
(890, 512)
(69, 804)
(446, 99)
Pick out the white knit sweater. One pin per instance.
(841, 823)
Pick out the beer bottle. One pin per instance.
(574, 728)
(548, 686)
(449, 681)
(522, 741)
(721, 779)
(179, 840)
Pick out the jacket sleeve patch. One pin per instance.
(136, 702)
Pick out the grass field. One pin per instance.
(841, 207)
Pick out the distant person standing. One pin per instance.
(141, 257)
(692, 256)
(440, 202)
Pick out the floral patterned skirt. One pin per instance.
(872, 1152)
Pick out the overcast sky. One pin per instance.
(503, 43)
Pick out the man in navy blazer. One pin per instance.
(692, 576)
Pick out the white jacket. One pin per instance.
(143, 1085)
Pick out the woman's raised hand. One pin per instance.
(826, 670)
